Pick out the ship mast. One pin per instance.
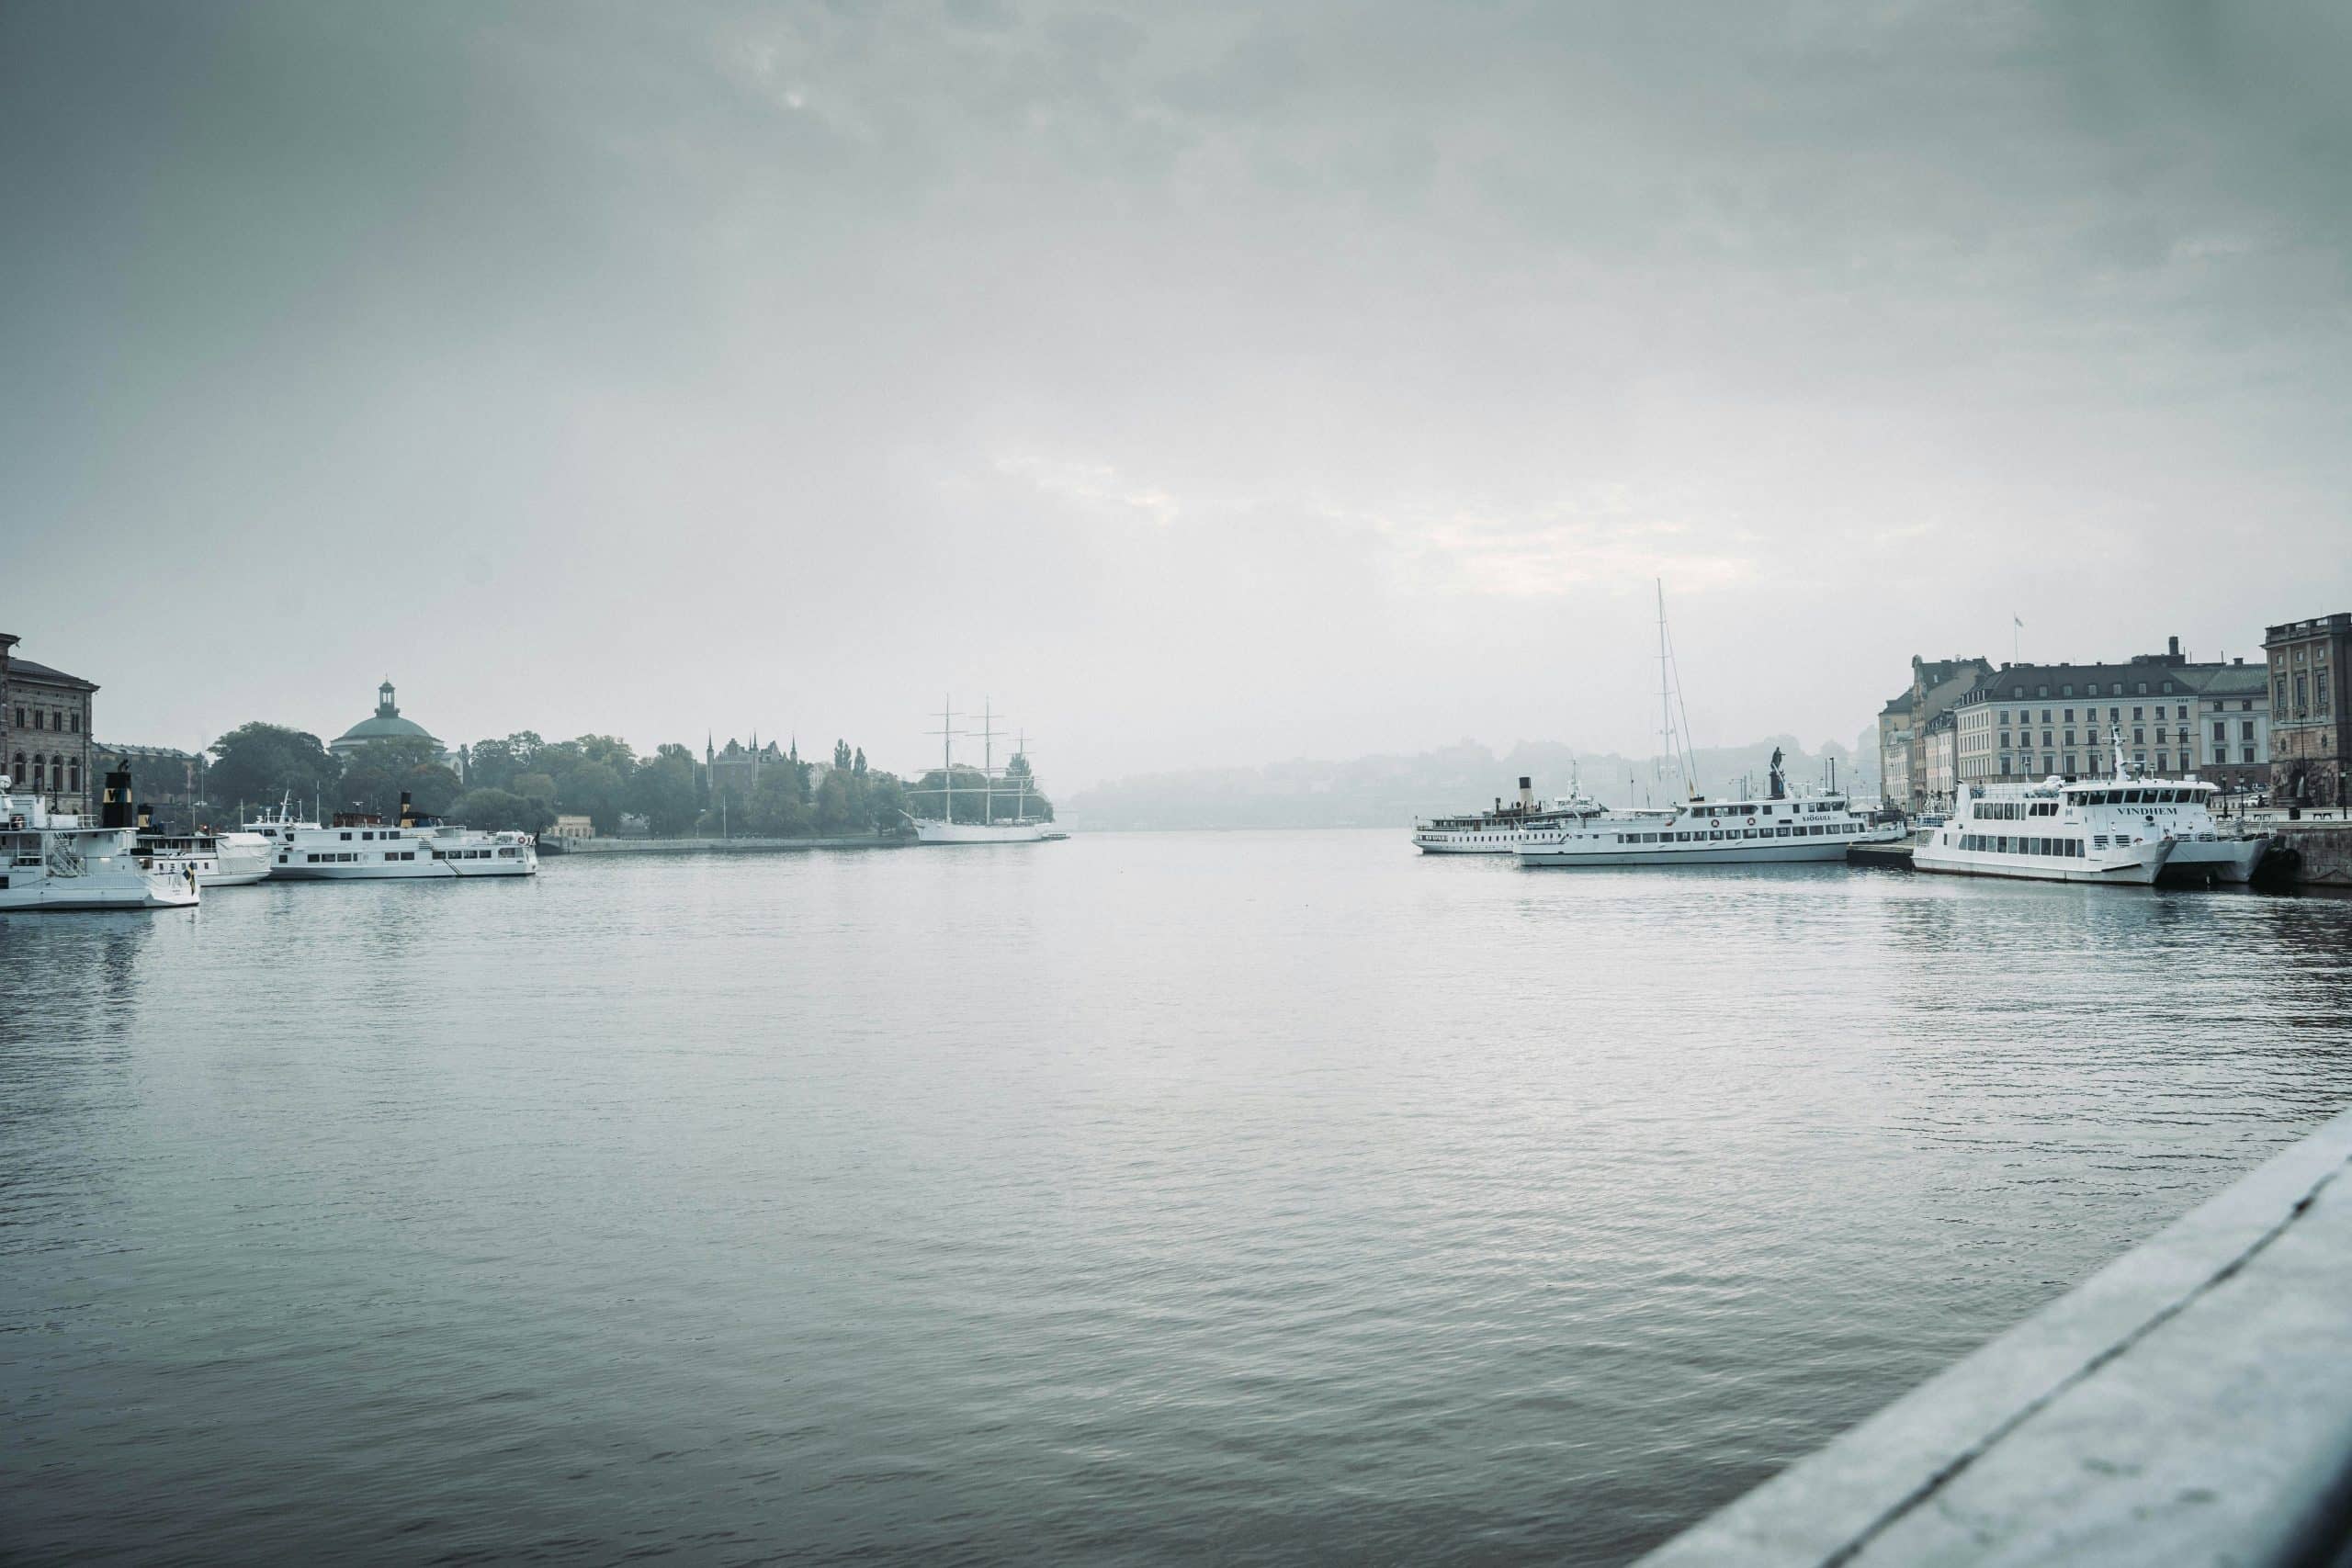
(946, 733)
(1676, 743)
(988, 763)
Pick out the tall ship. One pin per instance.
(1507, 827)
(54, 860)
(1778, 829)
(362, 847)
(2134, 831)
(1004, 798)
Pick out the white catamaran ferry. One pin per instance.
(1506, 829)
(360, 847)
(53, 859)
(1778, 830)
(1003, 796)
(2112, 829)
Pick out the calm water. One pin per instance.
(1139, 1198)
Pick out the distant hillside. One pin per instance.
(1389, 792)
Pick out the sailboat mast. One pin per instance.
(988, 762)
(947, 754)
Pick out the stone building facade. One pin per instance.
(45, 742)
(1936, 686)
(2231, 727)
(2311, 714)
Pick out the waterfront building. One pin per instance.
(2311, 715)
(1939, 748)
(2231, 723)
(386, 724)
(573, 826)
(733, 769)
(1937, 686)
(45, 743)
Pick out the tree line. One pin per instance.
(523, 783)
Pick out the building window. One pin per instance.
(2302, 694)
(74, 776)
(2070, 758)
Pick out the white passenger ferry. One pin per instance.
(53, 859)
(221, 860)
(360, 847)
(1777, 831)
(2112, 829)
(1506, 829)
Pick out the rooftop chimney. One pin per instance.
(2172, 646)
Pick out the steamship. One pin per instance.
(1506, 829)
(53, 859)
(1779, 829)
(362, 847)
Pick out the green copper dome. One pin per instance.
(385, 725)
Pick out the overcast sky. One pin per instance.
(1203, 384)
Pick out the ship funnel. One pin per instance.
(146, 817)
(408, 817)
(1526, 792)
(114, 806)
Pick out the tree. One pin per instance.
(497, 764)
(662, 792)
(539, 787)
(496, 810)
(609, 750)
(857, 763)
(779, 808)
(841, 756)
(258, 763)
(593, 789)
(378, 773)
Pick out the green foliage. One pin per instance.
(496, 810)
(609, 750)
(375, 776)
(496, 764)
(261, 763)
(663, 792)
(779, 808)
(593, 790)
(539, 787)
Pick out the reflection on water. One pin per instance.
(1149, 1197)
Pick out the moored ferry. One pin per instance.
(2112, 829)
(1506, 829)
(1780, 829)
(220, 860)
(360, 847)
(54, 860)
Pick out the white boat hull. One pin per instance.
(1792, 853)
(2132, 866)
(406, 871)
(64, 893)
(2215, 860)
(979, 833)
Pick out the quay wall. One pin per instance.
(2186, 1404)
(726, 846)
(2322, 853)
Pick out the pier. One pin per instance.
(2186, 1404)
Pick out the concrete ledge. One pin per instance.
(2191, 1402)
